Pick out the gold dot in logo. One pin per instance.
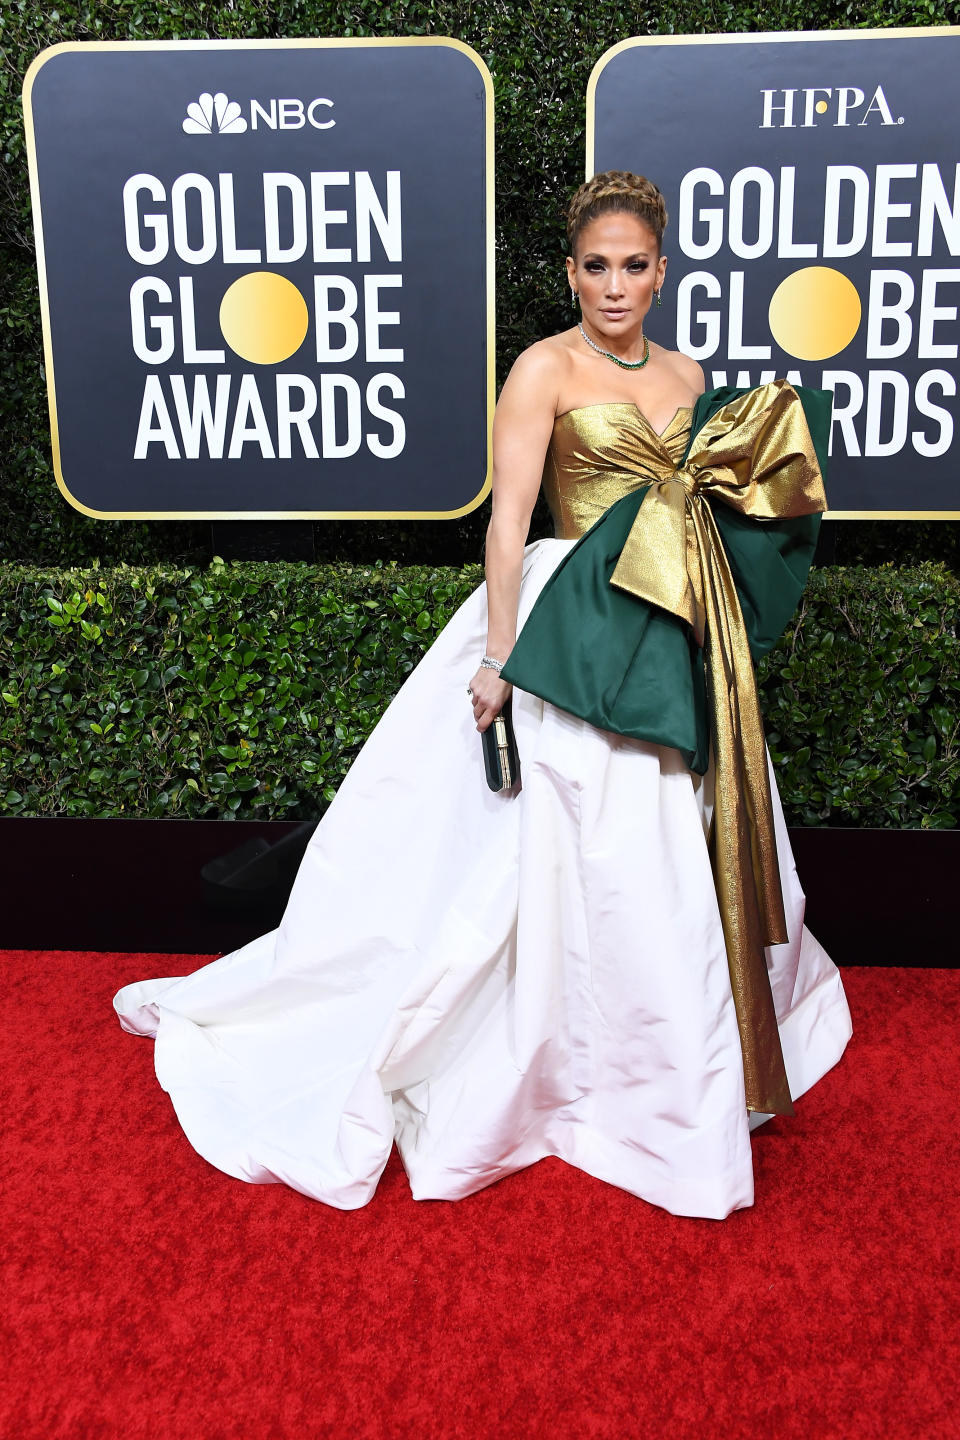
(821, 107)
(264, 317)
(814, 313)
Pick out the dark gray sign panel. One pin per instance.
(813, 187)
(266, 273)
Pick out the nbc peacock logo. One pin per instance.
(214, 115)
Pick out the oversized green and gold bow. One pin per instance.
(751, 452)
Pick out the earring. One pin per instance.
(574, 297)
(659, 301)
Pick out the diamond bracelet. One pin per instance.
(488, 663)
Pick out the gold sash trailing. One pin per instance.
(755, 455)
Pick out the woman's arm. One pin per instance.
(521, 433)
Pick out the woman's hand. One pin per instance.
(488, 697)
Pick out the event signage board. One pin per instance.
(266, 273)
(813, 187)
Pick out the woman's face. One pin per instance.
(616, 270)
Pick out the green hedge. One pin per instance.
(540, 55)
(862, 700)
(237, 691)
(246, 690)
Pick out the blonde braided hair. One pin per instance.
(612, 192)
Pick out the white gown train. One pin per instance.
(491, 979)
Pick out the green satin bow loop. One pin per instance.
(754, 452)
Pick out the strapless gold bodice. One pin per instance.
(599, 453)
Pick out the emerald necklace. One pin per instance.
(624, 364)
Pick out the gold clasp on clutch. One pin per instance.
(503, 750)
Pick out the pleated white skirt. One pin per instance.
(491, 979)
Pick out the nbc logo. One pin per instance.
(214, 113)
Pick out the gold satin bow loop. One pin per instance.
(755, 455)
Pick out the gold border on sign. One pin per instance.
(489, 199)
(773, 37)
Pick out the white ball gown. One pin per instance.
(488, 979)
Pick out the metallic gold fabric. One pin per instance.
(598, 454)
(755, 455)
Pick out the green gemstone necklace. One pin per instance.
(624, 364)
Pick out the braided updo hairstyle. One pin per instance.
(612, 192)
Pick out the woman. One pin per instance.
(614, 274)
(491, 978)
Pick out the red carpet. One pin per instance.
(147, 1295)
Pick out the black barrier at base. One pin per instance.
(140, 885)
(258, 875)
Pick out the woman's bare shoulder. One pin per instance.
(546, 357)
(538, 371)
(685, 369)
